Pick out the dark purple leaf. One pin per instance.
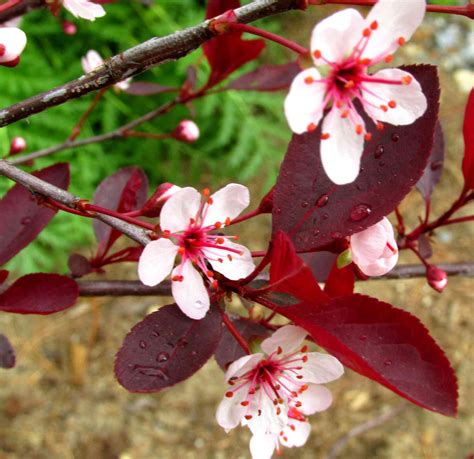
(22, 219)
(39, 294)
(165, 348)
(267, 78)
(434, 168)
(124, 191)
(320, 263)
(316, 213)
(228, 52)
(229, 349)
(468, 131)
(424, 246)
(7, 353)
(144, 88)
(3, 275)
(79, 265)
(385, 344)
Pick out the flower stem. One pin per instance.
(235, 333)
(246, 216)
(9, 4)
(235, 26)
(112, 213)
(77, 128)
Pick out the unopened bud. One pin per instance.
(153, 206)
(69, 28)
(437, 278)
(186, 131)
(17, 146)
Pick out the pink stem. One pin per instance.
(235, 333)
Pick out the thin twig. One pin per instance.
(364, 427)
(136, 288)
(136, 60)
(42, 188)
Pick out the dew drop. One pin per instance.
(387, 362)
(182, 342)
(359, 187)
(162, 357)
(436, 165)
(155, 334)
(26, 221)
(336, 235)
(160, 373)
(360, 212)
(305, 204)
(322, 200)
(395, 137)
(316, 232)
(382, 163)
(278, 211)
(379, 151)
(142, 344)
(198, 304)
(194, 352)
(170, 344)
(325, 216)
(363, 337)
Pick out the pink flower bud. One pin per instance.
(12, 43)
(437, 278)
(152, 207)
(186, 131)
(17, 146)
(69, 28)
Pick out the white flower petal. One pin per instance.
(265, 415)
(84, 9)
(341, 152)
(296, 433)
(230, 411)
(369, 244)
(321, 368)
(179, 209)
(289, 338)
(336, 36)
(396, 19)
(14, 41)
(262, 445)
(190, 294)
(156, 261)
(409, 98)
(228, 202)
(242, 365)
(304, 102)
(234, 268)
(315, 399)
(91, 61)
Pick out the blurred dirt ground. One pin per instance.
(62, 401)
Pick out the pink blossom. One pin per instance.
(17, 145)
(84, 9)
(271, 390)
(375, 250)
(187, 131)
(92, 60)
(346, 44)
(187, 221)
(12, 44)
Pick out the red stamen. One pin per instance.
(220, 240)
(365, 61)
(368, 136)
(229, 394)
(374, 25)
(248, 417)
(393, 249)
(304, 348)
(366, 33)
(227, 221)
(244, 403)
(279, 350)
(309, 80)
(217, 225)
(388, 59)
(407, 79)
(166, 234)
(339, 103)
(345, 114)
(401, 41)
(392, 104)
(325, 136)
(206, 192)
(210, 201)
(380, 126)
(349, 85)
(311, 127)
(359, 129)
(317, 54)
(229, 257)
(384, 108)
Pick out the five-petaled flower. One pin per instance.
(188, 220)
(375, 250)
(346, 44)
(271, 391)
(93, 60)
(84, 9)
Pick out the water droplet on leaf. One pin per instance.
(360, 212)
(387, 362)
(322, 200)
(162, 357)
(26, 221)
(142, 344)
(305, 204)
(336, 235)
(155, 334)
(182, 342)
(395, 137)
(379, 151)
(363, 337)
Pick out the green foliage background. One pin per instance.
(242, 133)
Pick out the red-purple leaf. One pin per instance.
(144, 88)
(434, 168)
(341, 281)
(79, 265)
(165, 348)
(7, 353)
(123, 191)
(315, 212)
(22, 219)
(229, 349)
(228, 52)
(320, 263)
(267, 78)
(385, 344)
(3, 275)
(39, 294)
(468, 130)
